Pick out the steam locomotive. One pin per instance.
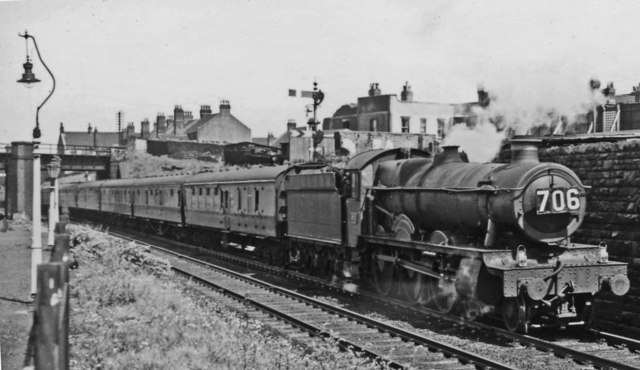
(434, 230)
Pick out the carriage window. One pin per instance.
(200, 191)
(146, 195)
(239, 199)
(208, 191)
(257, 201)
(160, 197)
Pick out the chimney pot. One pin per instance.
(406, 95)
(225, 106)
(205, 111)
(374, 90)
(483, 97)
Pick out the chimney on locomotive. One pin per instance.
(449, 154)
(524, 149)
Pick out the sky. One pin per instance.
(143, 57)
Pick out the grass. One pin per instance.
(129, 312)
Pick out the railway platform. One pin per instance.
(16, 303)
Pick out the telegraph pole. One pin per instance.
(120, 115)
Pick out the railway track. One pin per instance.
(604, 351)
(397, 347)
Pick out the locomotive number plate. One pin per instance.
(557, 200)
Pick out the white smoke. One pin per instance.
(481, 143)
(520, 109)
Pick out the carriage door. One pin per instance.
(225, 209)
(351, 208)
(132, 201)
(182, 204)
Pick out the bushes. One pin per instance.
(127, 312)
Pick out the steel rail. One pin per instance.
(633, 344)
(285, 317)
(557, 349)
(544, 345)
(449, 350)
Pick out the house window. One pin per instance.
(423, 125)
(405, 124)
(440, 128)
(345, 124)
(373, 125)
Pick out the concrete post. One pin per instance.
(36, 234)
(19, 179)
(51, 217)
(54, 215)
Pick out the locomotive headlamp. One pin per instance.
(618, 284)
(521, 256)
(603, 255)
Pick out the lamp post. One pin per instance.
(53, 170)
(29, 78)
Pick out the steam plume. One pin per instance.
(520, 110)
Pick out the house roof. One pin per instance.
(217, 118)
(180, 131)
(83, 138)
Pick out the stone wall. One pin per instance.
(613, 204)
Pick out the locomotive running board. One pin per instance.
(430, 247)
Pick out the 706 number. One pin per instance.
(557, 200)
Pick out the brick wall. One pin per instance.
(613, 172)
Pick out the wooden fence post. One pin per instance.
(52, 326)
(60, 251)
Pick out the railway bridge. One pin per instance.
(16, 160)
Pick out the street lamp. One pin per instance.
(28, 78)
(53, 170)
